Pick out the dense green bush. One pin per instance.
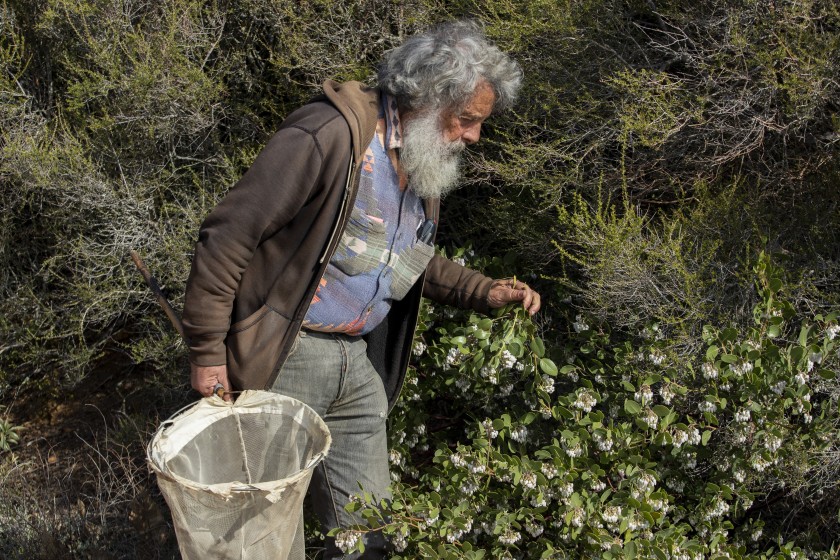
(658, 148)
(506, 445)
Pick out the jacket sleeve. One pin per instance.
(267, 197)
(452, 284)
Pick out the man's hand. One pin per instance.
(205, 378)
(509, 290)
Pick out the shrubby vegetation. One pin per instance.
(509, 445)
(668, 181)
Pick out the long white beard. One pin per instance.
(431, 162)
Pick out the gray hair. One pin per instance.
(441, 69)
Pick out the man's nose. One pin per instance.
(471, 134)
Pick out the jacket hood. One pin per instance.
(355, 101)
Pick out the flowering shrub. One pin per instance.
(505, 446)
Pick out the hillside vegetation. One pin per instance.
(669, 180)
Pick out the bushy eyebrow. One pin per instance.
(472, 116)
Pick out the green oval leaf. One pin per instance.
(632, 407)
(712, 353)
(548, 366)
(538, 347)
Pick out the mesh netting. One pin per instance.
(234, 475)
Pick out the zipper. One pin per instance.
(341, 214)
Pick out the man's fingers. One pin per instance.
(527, 297)
(536, 302)
(207, 379)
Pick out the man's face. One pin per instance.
(434, 140)
(465, 125)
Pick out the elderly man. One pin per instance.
(307, 277)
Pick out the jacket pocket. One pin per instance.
(255, 346)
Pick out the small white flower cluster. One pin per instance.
(578, 517)
(346, 540)
(659, 504)
(566, 489)
(709, 370)
(676, 484)
(678, 437)
(585, 400)
(644, 394)
(604, 443)
(399, 541)
(718, 509)
(509, 537)
(739, 475)
(572, 374)
(611, 514)
(419, 348)
(571, 449)
(580, 324)
(458, 460)
(694, 436)
(743, 415)
(656, 357)
(463, 383)
(814, 359)
(779, 387)
(489, 429)
(519, 434)
(741, 369)
(651, 333)
(469, 487)
(459, 260)
(801, 378)
(547, 384)
(534, 529)
(651, 419)
(549, 470)
(683, 555)
(477, 468)
(506, 390)
(538, 501)
(758, 463)
(772, 443)
(598, 485)
(490, 374)
(706, 406)
(667, 393)
(453, 358)
(455, 533)
(741, 436)
(645, 482)
(396, 458)
(508, 359)
(545, 409)
(637, 522)
(832, 332)
(529, 480)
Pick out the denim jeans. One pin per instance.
(332, 374)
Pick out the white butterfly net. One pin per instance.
(235, 475)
